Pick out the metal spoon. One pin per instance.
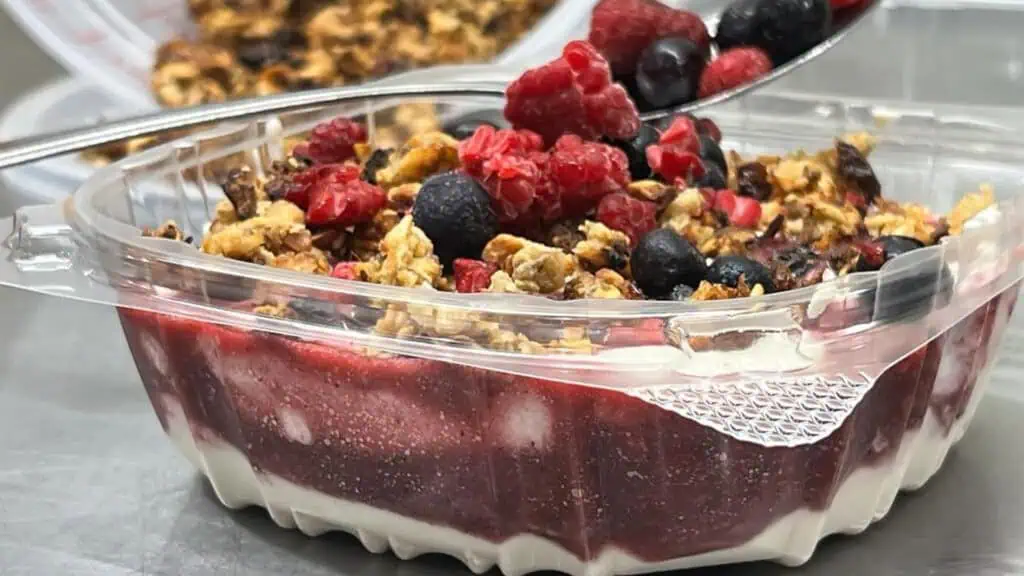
(40, 147)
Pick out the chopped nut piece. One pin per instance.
(650, 190)
(422, 156)
(605, 284)
(534, 267)
(168, 230)
(244, 191)
(401, 198)
(408, 258)
(709, 291)
(502, 282)
(603, 247)
(277, 228)
(970, 206)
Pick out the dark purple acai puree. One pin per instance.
(495, 456)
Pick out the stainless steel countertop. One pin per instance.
(89, 485)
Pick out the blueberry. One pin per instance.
(259, 53)
(788, 28)
(636, 151)
(681, 292)
(752, 181)
(378, 159)
(455, 212)
(738, 25)
(663, 260)
(668, 72)
(727, 270)
(463, 127)
(712, 178)
(711, 152)
(891, 247)
(912, 293)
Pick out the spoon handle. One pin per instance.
(40, 147)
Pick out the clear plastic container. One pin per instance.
(803, 413)
(113, 42)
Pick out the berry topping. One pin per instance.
(636, 151)
(454, 211)
(514, 184)
(673, 163)
(712, 178)
(622, 212)
(488, 142)
(663, 260)
(584, 172)
(472, 275)
(746, 213)
(681, 292)
(728, 270)
(669, 71)
(876, 252)
(622, 29)
(682, 132)
(733, 68)
(738, 25)
(894, 246)
(333, 141)
(844, 4)
(297, 190)
(752, 181)
(340, 198)
(573, 94)
(788, 28)
(464, 126)
(707, 127)
(711, 153)
(346, 270)
(855, 170)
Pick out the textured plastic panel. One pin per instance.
(627, 458)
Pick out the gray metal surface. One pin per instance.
(89, 486)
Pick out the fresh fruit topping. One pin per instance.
(857, 173)
(682, 132)
(732, 69)
(622, 29)
(584, 172)
(663, 260)
(752, 181)
(711, 153)
(472, 275)
(681, 292)
(729, 269)
(669, 72)
(455, 212)
(713, 177)
(488, 142)
(746, 213)
(622, 212)
(673, 163)
(636, 151)
(465, 126)
(346, 270)
(340, 198)
(788, 28)
(333, 141)
(298, 188)
(877, 251)
(574, 94)
(738, 25)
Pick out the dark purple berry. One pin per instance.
(663, 260)
(856, 172)
(713, 177)
(464, 126)
(752, 181)
(788, 28)
(681, 292)
(738, 25)
(668, 72)
(710, 152)
(636, 151)
(728, 270)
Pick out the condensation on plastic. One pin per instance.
(633, 458)
(113, 42)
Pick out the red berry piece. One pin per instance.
(511, 182)
(334, 141)
(632, 216)
(488, 142)
(746, 212)
(345, 271)
(574, 94)
(622, 29)
(584, 172)
(682, 132)
(673, 162)
(843, 4)
(298, 190)
(472, 275)
(733, 68)
(724, 201)
(339, 200)
(707, 127)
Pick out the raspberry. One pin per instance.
(746, 213)
(333, 141)
(673, 162)
(733, 68)
(584, 172)
(339, 200)
(472, 275)
(297, 191)
(573, 94)
(345, 271)
(634, 217)
(682, 132)
(488, 142)
(622, 29)
(512, 183)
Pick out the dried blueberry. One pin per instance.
(727, 270)
(663, 260)
(669, 70)
(377, 160)
(711, 152)
(910, 292)
(738, 25)
(855, 170)
(788, 28)
(681, 292)
(636, 151)
(463, 127)
(752, 181)
(455, 212)
(877, 252)
(712, 178)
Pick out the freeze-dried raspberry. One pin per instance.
(682, 132)
(673, 162)
(339, 200)
(622, 29)
(333, 141)
(297, 191)
(573, 94)
(627, 214)
(472, 275)
(742, 211)
(733, 68)
(346, 271)
(488, 142)
(584, 172)
(512, 183)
